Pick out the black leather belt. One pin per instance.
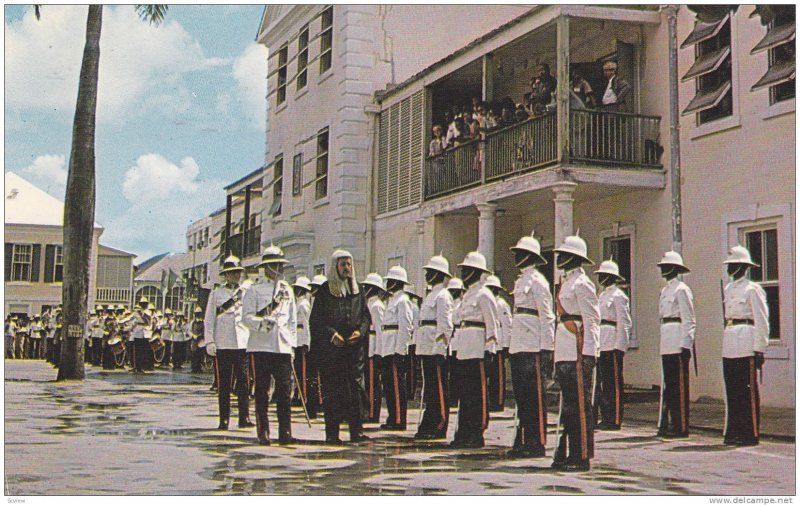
(526, 310)
(472, 324)
(391, 327)
(300, 326)
(608, 322)
(665, 320)
(372, 332)
(570, 317)
(428, 322)
(733, 322)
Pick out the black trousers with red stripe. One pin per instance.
(496, 380)
(743, 400)
(528, 383)
(608, 399)
(393, 378)
(675, 396)
(138, 358)
(231, 367)
(412, 368)
(374, 389)
(473, 411)
(576, 440)
(437, 412)
(266, 365)
(301, 369)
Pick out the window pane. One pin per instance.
(774, 312)
(753, 240)
(770, 265)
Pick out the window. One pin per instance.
(326, 40)
(54, 263)
(302, 59)
(779, 42)
(322, 164)
(22, 262)
(319, 269)
(174, 298)
(153, 295)
(711, 70)
(277, 186)
(763, 247)
(619, 250)
(283, 56)
(297, 174)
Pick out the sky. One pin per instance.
(181, 112)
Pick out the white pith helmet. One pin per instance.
(318, 280)
(476, 260)
(302, 282)
(739, 255)
(374, 279)
(231, 264)
(674, 259)
(440, 264)
(456, 283)
(609, 267)
(493, 281)
(397, 273)
(576, 246)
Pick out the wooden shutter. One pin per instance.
(49, 262)
(9, 259)
(36, 259)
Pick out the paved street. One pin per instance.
(119, 434)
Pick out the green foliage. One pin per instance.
(152, 13)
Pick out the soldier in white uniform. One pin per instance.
(676, 311)
(533, 323)
(432, 336)
(198, 340)
(139, 324)
(396, 332)
(475, 321)
(455, 287)
(576, 343)
(374, 292)
(96, 325)
(226, 340)
(615, 331)
(36, 337)
(495, 362)
(179, 342)
(270, 312)
(744, 342)
(167, 324)
(302, 294)
(412, 361)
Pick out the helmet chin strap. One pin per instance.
(670, 273)
(523, 262)
(739, 272)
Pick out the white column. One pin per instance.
(486, 217)
(563, 216)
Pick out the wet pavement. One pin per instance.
(120, 434)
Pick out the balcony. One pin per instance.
(596, 137)
(113, 295)
(245, 244)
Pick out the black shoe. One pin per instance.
(578, 466)
(526, 452)
(608, 427)
(429, 436)
(333, 441)
(457, 444)
(473, 444)
(359, 437)
(223, 425)
(559, 464)
(393, 427)
(312, 416)
(674, 435)
(245, 423)
(212, 388)
(263, 440)
(286, 440)
(746, 443)
(732, 441)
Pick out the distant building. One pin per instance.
(159, 280)
(34, 267)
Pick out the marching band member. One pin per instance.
(576, 343)
(615, 331)
(432, 337)
(676, 310)
(744, 342)
(270, 313)
(179, 341)
(226, 340)
(475, 321)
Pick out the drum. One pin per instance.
(156, 343)
(117, 346)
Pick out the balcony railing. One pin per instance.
(113, 295)
(246, 244)
(598, 137)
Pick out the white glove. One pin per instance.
(211, 349)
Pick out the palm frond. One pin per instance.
(37, 11)
(152, 13)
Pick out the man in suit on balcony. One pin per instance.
(616, 142)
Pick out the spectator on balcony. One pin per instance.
(460, 134)
(582, 90)
(543, 85)
(521, 113)
(617, 89)
(438, 144)
(506, 117)
(492, 118)
(452, 129)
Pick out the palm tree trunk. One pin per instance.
(79, 206)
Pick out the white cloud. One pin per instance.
(250, 72)
(49, 172)
(161, 192)
(137, 60)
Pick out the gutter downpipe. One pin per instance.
(373, 111)
(674, 127)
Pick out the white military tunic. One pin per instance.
(505, 321)
(277, 332)
(435, 319)
(225, 330)
(477, 305)
(744, 299)
(676, 302)
(375, 345)
(529, 332)
(615, 306)
(578, 298)
(303, 313)
(453, 344)
(398, 312)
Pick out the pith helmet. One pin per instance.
(374, 279)
(143, 301)
(739, 255)
(318, 280)
(493, 281)
(272, 254)
(475, 260)
(674, 259)
(529, 244)
(456, 283)
(397, 273)
(231, 264)
(576, 246)
(439, 264)
(198, 309)
(302, 282)
(611, 268)
(168, 311)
